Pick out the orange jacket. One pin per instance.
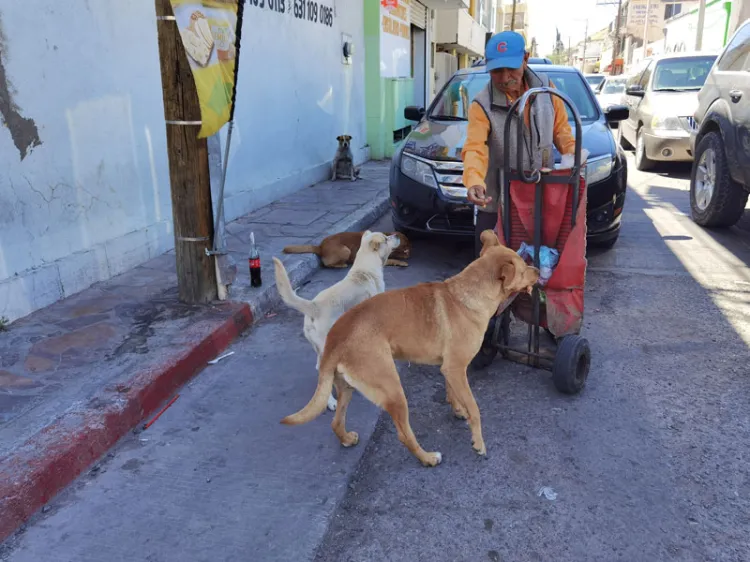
(476, 153)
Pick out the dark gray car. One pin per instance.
(720, 177)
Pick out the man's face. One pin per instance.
(509, 79)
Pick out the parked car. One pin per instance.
(662, 95)
(611, 91)
(720, 141)
(594, 80)
(426, 189)
(539, 60)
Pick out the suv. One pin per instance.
(662, 95)
(720, 178)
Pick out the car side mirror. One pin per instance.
(413, 113)
(635, 90)
(616, 113)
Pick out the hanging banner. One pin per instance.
(207, 28)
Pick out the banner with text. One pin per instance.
(207, 28)
(395, 39)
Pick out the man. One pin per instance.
(546, 123)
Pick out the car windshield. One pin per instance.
(682, 74)
(453, 103)
(594, 80)
(614, 86)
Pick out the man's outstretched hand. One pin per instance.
(476, 195)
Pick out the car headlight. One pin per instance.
(418, 171)
(599, 169)
(661, 123)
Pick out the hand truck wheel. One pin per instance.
(488, 351)
(572, 363)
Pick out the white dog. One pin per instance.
(364, 280)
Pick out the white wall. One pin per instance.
(294, 98)
(93, 199)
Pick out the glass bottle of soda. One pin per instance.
(254, 262)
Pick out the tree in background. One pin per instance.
(559, 56)
(533, 48)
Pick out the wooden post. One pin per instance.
(192, 212)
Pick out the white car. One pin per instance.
(611, 92)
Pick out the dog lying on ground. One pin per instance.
(343, 163)
(340, 250)
(431, 324)
(364, 280)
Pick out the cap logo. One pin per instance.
(502, 46)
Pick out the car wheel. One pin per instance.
(622, 140)
(642, 162)
(715, 199)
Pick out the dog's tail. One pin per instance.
(304, 249)
(319, 401)
(292, 299)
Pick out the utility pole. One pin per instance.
(701, 21)
(585, 39)
(513, 17)
(189, 180)
(616, 46)
(645, 29)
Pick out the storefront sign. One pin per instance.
(395, 39)
(636, 21)
(207, 28)
(682, 31)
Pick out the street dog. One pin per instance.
(441, 323)
(343, 163)
(364, 280)
(340, 250)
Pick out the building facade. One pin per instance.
(85, 193)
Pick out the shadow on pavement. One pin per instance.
(648, 463)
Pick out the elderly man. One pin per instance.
(546, 124)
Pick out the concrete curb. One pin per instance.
(62, 451)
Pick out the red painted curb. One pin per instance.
(60, 452)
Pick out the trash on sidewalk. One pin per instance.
(164, 409)
(548, 258)
(220, 357)
(548, 493)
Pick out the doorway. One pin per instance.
(419, 64)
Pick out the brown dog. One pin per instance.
(431, 324)
(339, 250)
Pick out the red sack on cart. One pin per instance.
(562, 310)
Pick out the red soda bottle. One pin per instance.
(254, 263)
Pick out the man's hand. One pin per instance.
(476, 196)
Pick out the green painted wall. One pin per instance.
(385, 98)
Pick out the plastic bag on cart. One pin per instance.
(548, 258)
(567, 160)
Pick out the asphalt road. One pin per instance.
(649, 463)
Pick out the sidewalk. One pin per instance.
(77, 376)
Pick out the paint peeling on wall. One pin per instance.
(23, 130)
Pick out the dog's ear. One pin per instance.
(506, 272)
(375, 244)
(348, 137)
(339, 138)
(489, 240)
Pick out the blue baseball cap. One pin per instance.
(505, 50)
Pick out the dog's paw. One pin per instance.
(350, 439)
(332, 403)
(479, 448)
(433, 459)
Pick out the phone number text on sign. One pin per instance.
(312, 11)
(301, 9)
